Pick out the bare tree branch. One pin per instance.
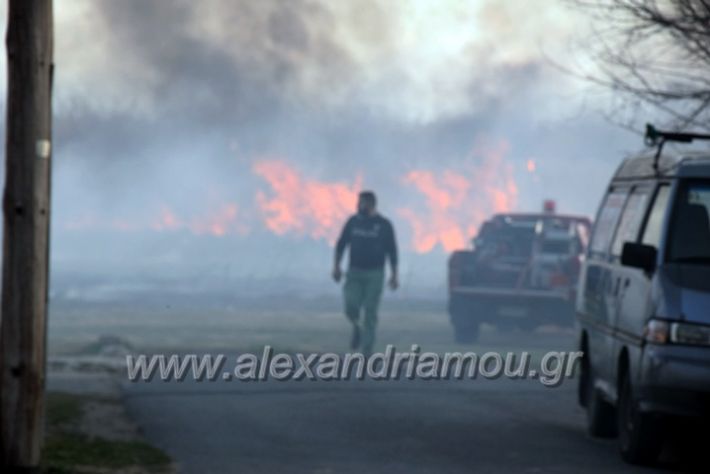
(655, 52)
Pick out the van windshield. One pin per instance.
(690, 233)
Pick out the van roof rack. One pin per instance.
(655, 137)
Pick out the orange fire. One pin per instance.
(223, 221)
(303, 206)
(167, 221)
(219, 223)
(444, 196)
(458, 203)
(531, 166)
(452, 204)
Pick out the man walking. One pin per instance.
(371, 240)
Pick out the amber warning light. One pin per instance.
(549, 206)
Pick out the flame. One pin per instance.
(167, 221)
(443, 195)
(303, 206)
(531, 166)
(220, 222)
(458, 203)
(453, 204)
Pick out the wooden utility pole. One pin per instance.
(26, 233)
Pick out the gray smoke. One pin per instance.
(168, 102)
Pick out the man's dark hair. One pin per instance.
(369, 196)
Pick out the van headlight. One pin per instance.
(657, 332)
(694, 334)
(664, 332)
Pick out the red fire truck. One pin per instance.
(521, 272)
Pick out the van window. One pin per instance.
(630, 220)
(606, 223)
(652, 232)
(690, 234)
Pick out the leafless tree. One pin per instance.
(654, 53)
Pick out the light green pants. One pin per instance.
(363, 290)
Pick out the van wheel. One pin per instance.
(583, 381)
(600, 413)
(640, 438)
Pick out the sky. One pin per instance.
(231, 137)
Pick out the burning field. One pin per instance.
(236, 143)
(431, 207)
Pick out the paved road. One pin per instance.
(333, 427)
(373, 426)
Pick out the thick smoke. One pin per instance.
(166, 111)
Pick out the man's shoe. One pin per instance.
(355, 340)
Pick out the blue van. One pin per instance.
(643, 300)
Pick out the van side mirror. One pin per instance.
(639, 256)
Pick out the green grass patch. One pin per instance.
(63, 409)
(68, 451)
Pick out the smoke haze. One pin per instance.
(229, 139)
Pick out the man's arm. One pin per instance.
(342, 243)
(393, 257)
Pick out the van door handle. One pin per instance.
(617, 284)
(627, 281)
